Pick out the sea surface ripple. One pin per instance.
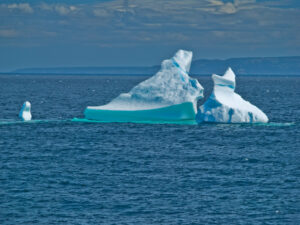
(57, 171)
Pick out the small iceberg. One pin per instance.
(170, 95)
(25, 112)
(226, 106)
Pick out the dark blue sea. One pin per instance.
(57, 171)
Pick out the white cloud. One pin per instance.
(58, 8)
(25, 7)
(216, 2)
(228, 8)
(100, 12)
(152, 21)
(46, 7)
(220, 7)
(62, 10)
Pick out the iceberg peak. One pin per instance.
(183, 59)
(227, 81)
(229, 74)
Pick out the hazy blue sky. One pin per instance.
(53, 33)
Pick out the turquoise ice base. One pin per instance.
(170, 114)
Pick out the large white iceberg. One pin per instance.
(170, 95)
(226, 106)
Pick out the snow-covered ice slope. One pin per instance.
(25, 112)
(169, 95)
(226, 106)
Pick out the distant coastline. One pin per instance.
(242, 66)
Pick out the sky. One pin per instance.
(65, 33)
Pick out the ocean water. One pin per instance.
(57, 171)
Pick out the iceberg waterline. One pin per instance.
(169, 95)
(226, 106)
